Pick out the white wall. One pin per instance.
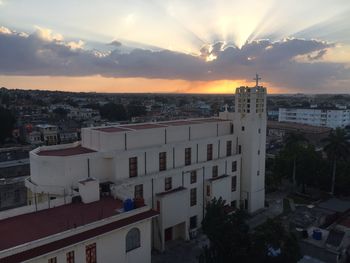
(110, 247)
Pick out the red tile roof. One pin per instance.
(38, 251)
(179, 123)
(28, 227)
(112, 129)
(66, 152)
(142, 126)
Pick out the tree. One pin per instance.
(61, 113)
(309, 166)
(231, 240)
(294, 144)
(272, 243)
(337, 147)
(7, 120)
(136, 110)
(228, 234)
(113, 112)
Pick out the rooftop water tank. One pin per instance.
(317, 234)
(128, 205)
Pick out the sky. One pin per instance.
(197, 46)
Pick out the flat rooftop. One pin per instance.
(292, 126)
(29, 227)
(66, 151)
(144, 126)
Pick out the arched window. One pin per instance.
(132, 239)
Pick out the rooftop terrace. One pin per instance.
(66, 151)
(29, 227)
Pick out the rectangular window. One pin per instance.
(215, 171)
(193, 177)
(90, 252)
(193, 222)
(70, 257)
(242, 128)
(233, 183)
(239, 149)
(193, 196)
(52, 260)
(209, 152)
(208, 190)
(228, 148)
(133, 167)
(138, 191)
(234, 166)
(168, 183)
(257, 173)
(231, 128)
(188, 156)
(162, 161)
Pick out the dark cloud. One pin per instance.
(115, 43)
(43, 54)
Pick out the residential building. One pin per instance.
(332, 118)
(49, 133)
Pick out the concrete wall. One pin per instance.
(110, 247)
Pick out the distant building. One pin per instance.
(49, 133)
(13, 192)
(332, 118)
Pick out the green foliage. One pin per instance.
(228, 234)
(113, 112)
(61, 113)
(272, 235)
(337, 149)
(7, 120)
(231, 241)
(135, 110)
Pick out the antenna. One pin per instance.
(257, 78)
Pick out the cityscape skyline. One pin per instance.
(199, 47)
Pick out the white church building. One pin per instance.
(174, 168)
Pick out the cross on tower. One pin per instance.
(257, 78)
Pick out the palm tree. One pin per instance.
(294, 144)
(337, 147)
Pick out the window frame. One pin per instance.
(133, 170)
(228, 148)
(193, 177)
(91, 253)
(132, 239)
(168, 183)
(209, 151)
(234, 166)
(188, 156)
(138, 191)
(162, 161)
(234, 183)
(193, 197)
(215, 171)
(70, 256)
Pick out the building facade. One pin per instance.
(174, 167)
(332, 118)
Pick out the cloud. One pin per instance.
(4, 30)
(115, 43)
(46, 53)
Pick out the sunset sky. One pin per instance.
(197, 46)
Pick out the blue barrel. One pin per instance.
(317, 234)
(128, 205)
